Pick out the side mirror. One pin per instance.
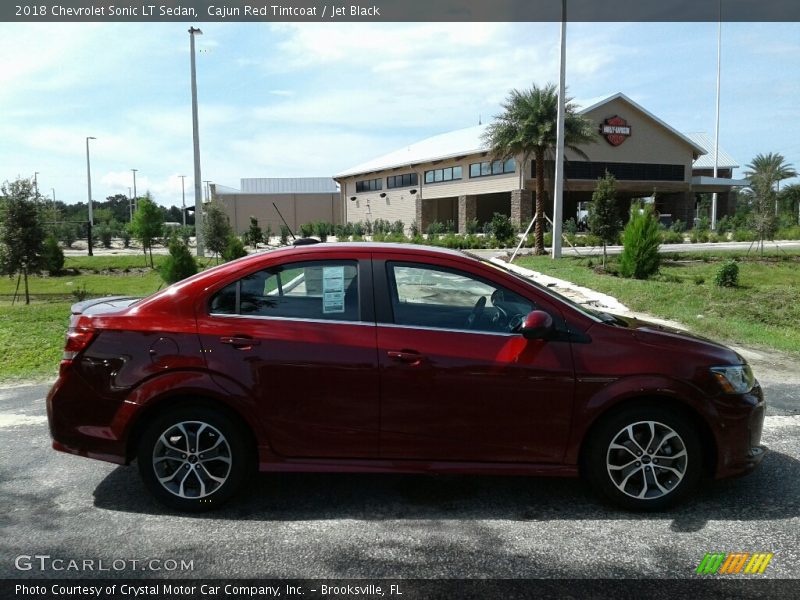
(537, 325)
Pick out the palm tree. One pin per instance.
(528, 126)
(771, 168)
(764, 172)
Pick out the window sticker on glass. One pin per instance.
(332, 290)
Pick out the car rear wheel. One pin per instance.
(644, 458)
(193, 459)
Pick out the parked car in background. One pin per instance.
(395, 358)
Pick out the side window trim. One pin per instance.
(364, 275)
(391, 294)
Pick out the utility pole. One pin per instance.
(130, 202)
(89, 193)
(198, 198)
(134, 192)
(208, 190)
(716, 125)
(558, 201)
(183, 198)
(36, 184)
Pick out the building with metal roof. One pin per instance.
(452, 177)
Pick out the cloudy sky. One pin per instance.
(282, 100)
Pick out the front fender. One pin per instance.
(604, 395)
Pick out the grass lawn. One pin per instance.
(764, 310)
(32, 338)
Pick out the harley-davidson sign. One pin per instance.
(616, 130)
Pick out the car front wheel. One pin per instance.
(644, 458)
(192, 459)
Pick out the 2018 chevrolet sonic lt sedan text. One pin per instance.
(395, 358)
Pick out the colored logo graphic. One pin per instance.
(720, 563)
(616, 130)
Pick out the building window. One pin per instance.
(621, 171)
(369, 185)
(492, 167)
(399, 181)
(447, 174)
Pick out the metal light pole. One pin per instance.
(36, 183)
(558, 201)
(716, 126)
(183, 197)
(89, 193)
(130, 203)
(55, 213)
(198, 193)
(133, 204)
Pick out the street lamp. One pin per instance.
(36, 184)
(198, 197)
(183, 197)
(133, 204)
(130, 202)
(89, 193)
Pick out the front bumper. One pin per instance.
(739, 433)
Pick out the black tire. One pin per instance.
(663, 475)
(213, 457)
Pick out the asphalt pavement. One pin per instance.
(379, 526)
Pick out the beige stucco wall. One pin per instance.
(399, 204)
(295, 208)
(649, 142)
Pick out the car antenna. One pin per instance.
(284, 222)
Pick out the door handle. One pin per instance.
(406, 356)
(239, 342)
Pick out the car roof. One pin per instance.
(370, 247)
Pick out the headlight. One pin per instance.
(734, 379)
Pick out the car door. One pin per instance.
(457, 383)
(298, 339)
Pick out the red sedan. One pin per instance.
(401, 358)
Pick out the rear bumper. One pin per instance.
(84, 425)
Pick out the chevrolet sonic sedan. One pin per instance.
(395, 358)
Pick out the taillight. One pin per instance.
(77, 339)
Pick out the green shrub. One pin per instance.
(67, 233)
(435, 228)
(125, 234)
(744, 235)
(640, 240)
(727, 275)
(699, 280)
(570, 226)
(185, 232)
(358, 229)
(473, 226)
(671, 237)
(80, 294)
(502, 228)
(698, 236)
(414, 230)
(104, 235)
(52, 256)
(323, 229)
(284, 235)
(724, 225)
(233, 249)
(678, 226)
(368, 227)
(715, 238)
(179, 264)
(397, 228)
(788, 233)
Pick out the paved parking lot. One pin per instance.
(382, 526)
